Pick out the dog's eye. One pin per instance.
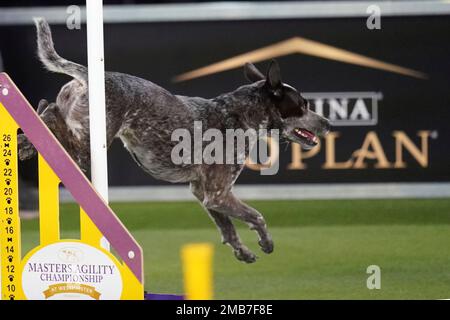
(306, 104)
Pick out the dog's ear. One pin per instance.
(273, 82)
(274, 76)
(252, 73)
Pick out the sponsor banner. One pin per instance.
(70, 270)
(385, 91)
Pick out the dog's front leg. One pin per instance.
(226, 228)
(230, 236)
(229, 205)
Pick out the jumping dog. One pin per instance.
(144, 115)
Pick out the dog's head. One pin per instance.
(291, 112)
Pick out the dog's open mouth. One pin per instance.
(306, 136)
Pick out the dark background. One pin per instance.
(159, 51)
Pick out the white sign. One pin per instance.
(71, 270)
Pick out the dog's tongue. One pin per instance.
(309, 134)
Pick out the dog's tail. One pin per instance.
(51, 60)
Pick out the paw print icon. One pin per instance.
(8, 200)
(11, 278)
(9, 220)
(8, 182)
(7, 162)
(10, 258)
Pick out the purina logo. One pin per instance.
(366, 151)
(346, 108)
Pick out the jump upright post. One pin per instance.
(97, 108)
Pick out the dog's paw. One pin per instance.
(43, 104)
(266, 245)
(244, 254)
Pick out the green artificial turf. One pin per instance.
(322, 248)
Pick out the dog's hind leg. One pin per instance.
(50, 114)
(26, 149)
(226, 228)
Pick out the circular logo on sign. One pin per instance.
(71, 270)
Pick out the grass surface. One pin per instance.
(322, 248)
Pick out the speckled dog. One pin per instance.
(144, 115)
